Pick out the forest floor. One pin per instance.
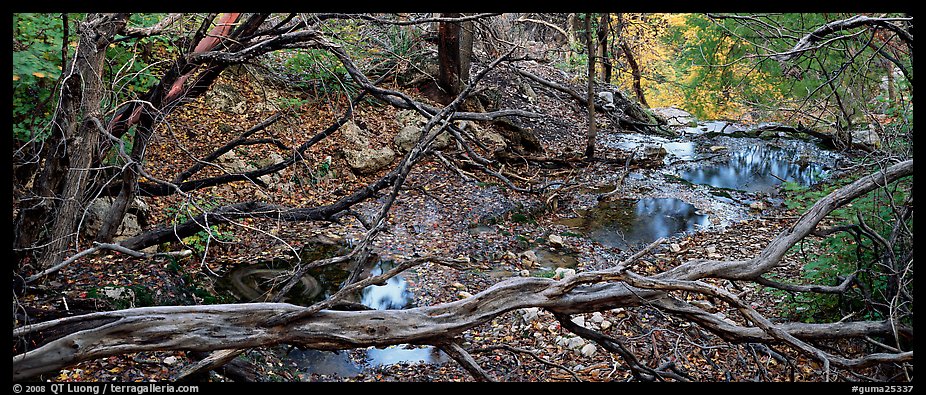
(441, 213)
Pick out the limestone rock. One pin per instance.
(360, 156)
(866, 139)
(588, 350)
(578, 320)
(573, 343)
(226, 98)
(555, 241)
(675, 116)
(561, 273)
(529, 314)
(410, 128)
(132, 223)
(607, 100)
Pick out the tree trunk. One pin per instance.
(572, 21)
(590, 94)
(603, 32)
(635, 72)
(66, 174)
(449, 56)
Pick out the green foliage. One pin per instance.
(318, 71)
(135, 295)
(38, 43)
(201, 239)
(37, 40)
(829, 260)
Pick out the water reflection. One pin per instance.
(759, 168)
(393, 295)
(629, 223)
(405, 354)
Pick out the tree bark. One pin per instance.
(67, 173)
(592, 134)
(449, 56)
(634, 71)
(604, 31)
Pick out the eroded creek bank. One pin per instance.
(710, 177)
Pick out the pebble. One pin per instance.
(529, 314)
(588, 350)
(561, 273)
(605, 324)
(574, 342)
(464, 295)
(458, 286)
(171, 360)
(555, 241)
(675, 247)
(529, 255)
(757, 205)
(525, 273)
(578, 320)
(597, 317)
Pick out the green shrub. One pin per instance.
(830, 259)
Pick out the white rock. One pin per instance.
(715, 148)
(588, 350)
(464, 295)
(757, 205)
(529, 314)
(574, 342)
(458, 286)
(710, 250)
(171, 360)
(578, 320)
(605, 324)
(675, 247)
(597, 317)
(530, 255)
(555, 241)
(561, 273)
(525, 273)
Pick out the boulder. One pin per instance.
(866, 139)
(409, 135)
(360, 156)
(131, 225)
(561, 273)
(653, 153)
(226, 98)
(676, 117)
(488, 137)
(607, 100)
(410, 127)
(369, 160)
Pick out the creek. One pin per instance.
(255, 282)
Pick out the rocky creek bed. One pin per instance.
(509, 235)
